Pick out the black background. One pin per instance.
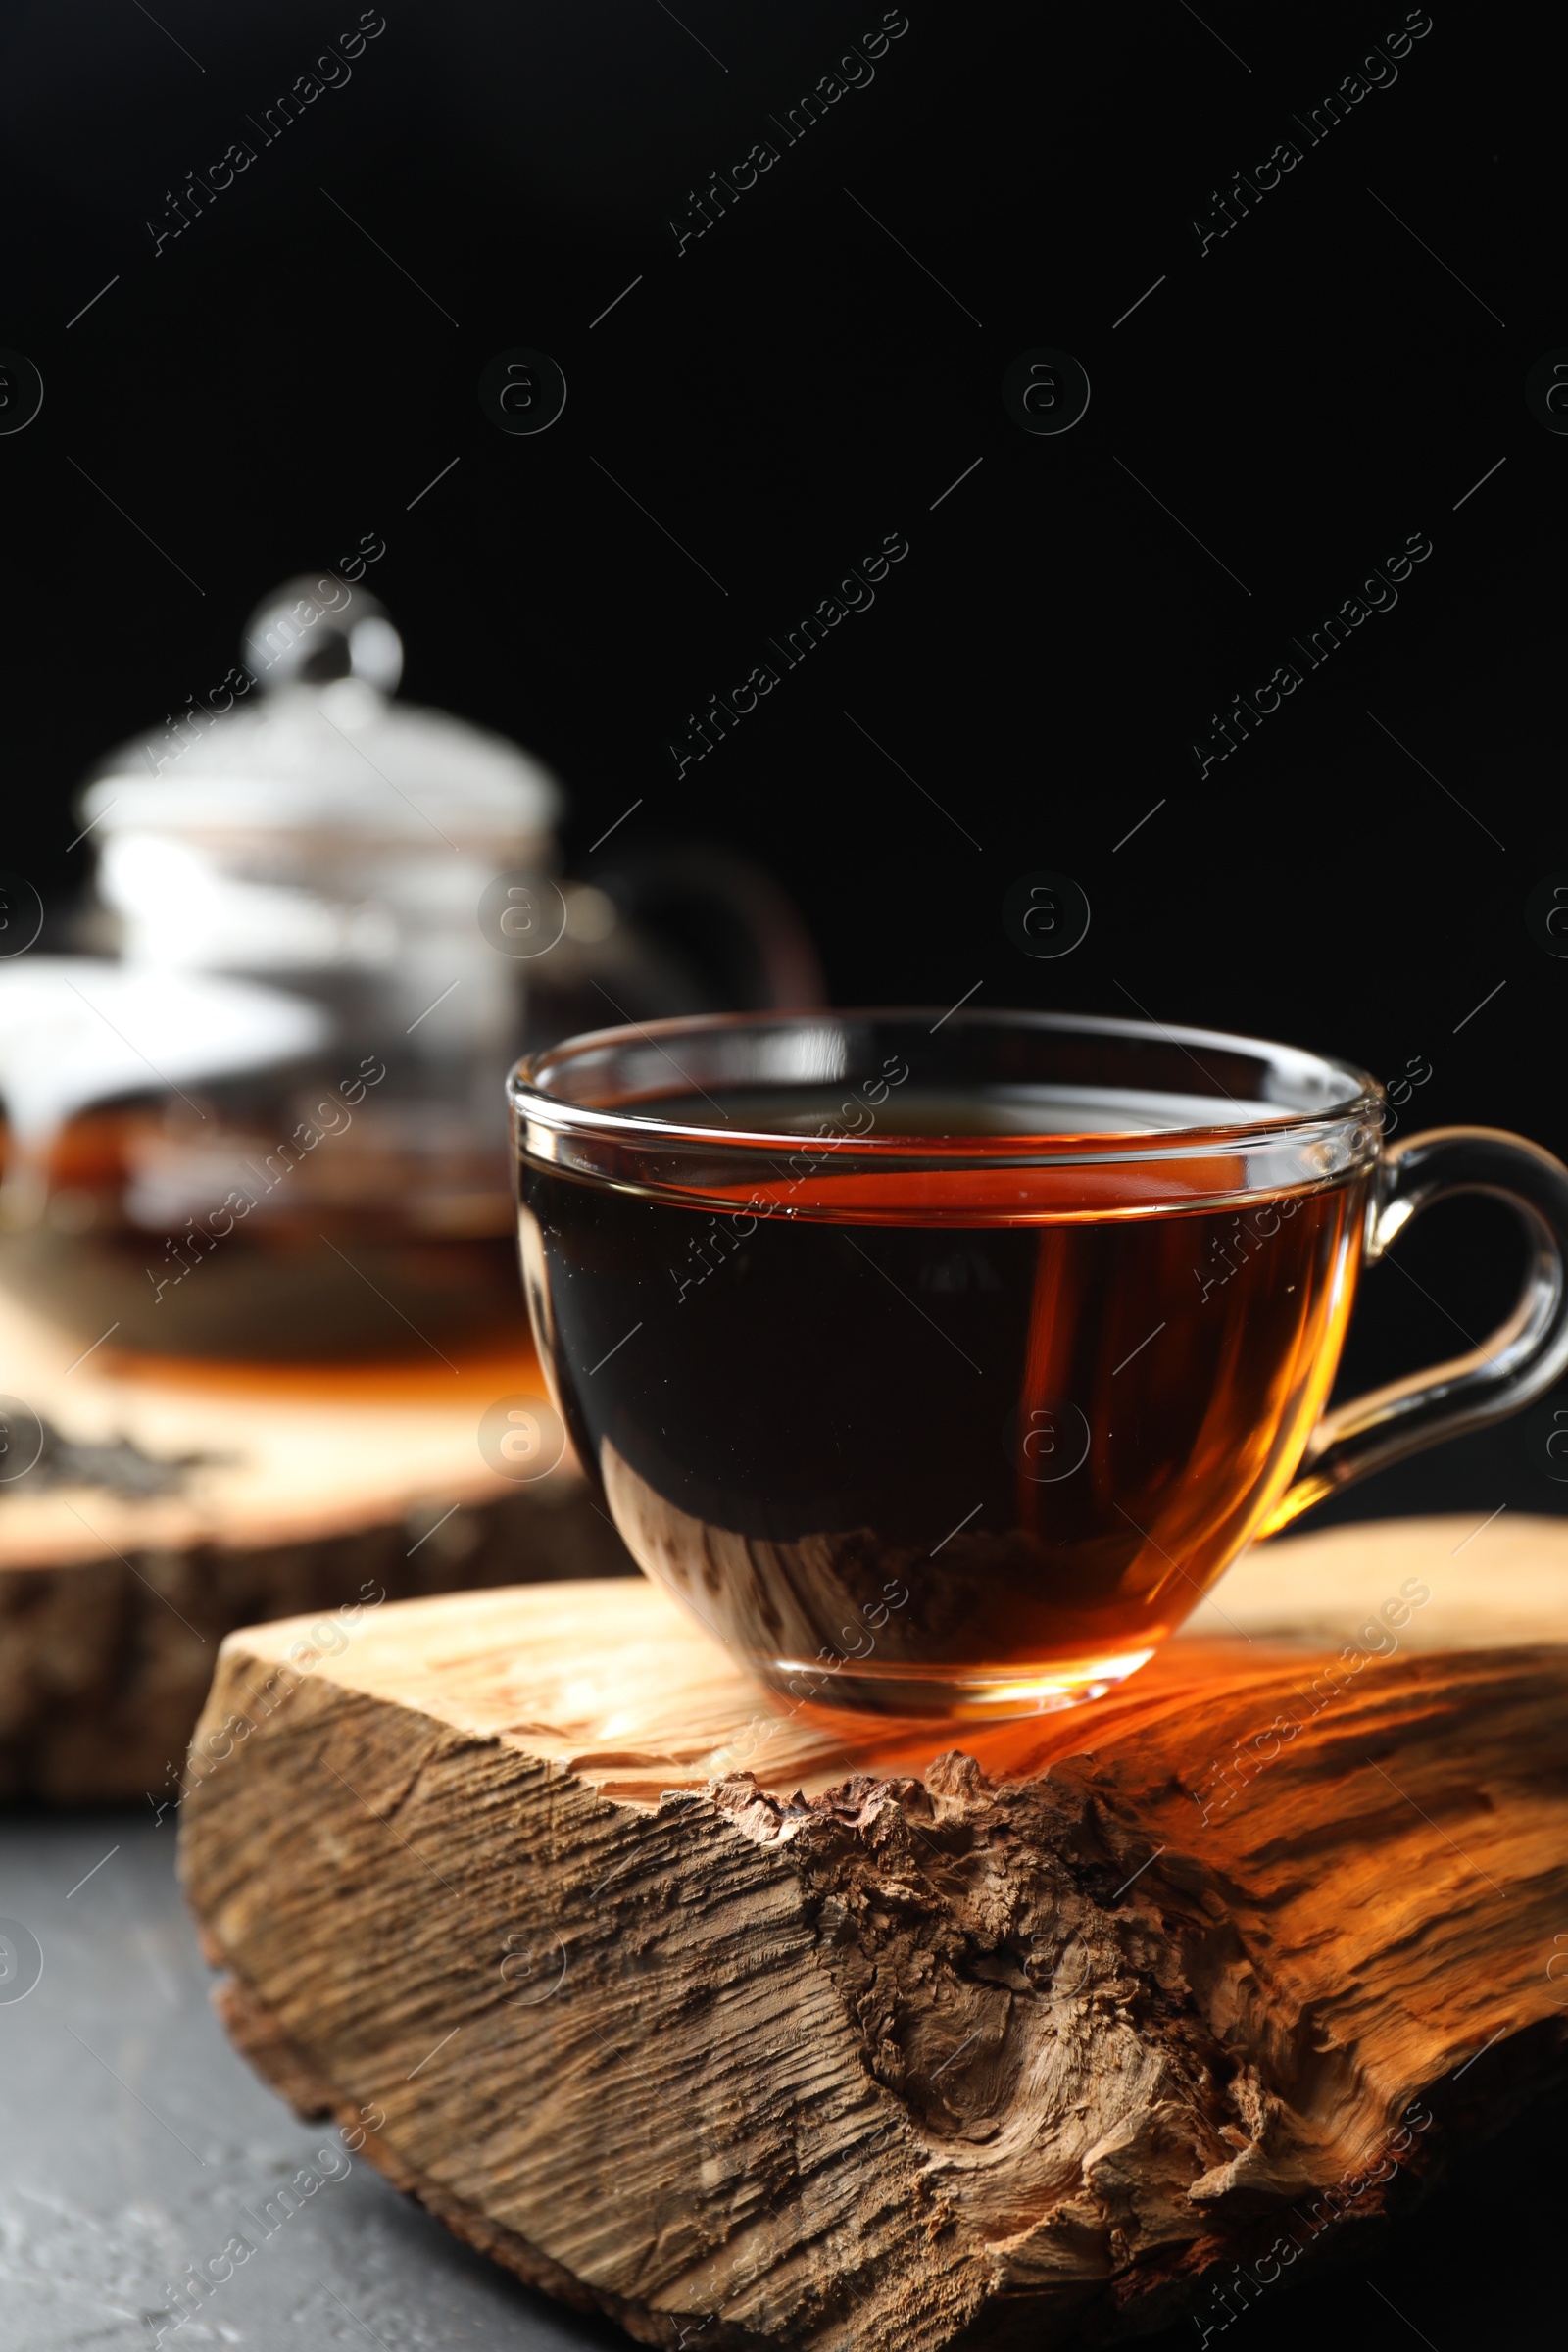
(1316, 386)
(1304, 396)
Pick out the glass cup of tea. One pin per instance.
(940, 1365)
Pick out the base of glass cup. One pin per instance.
(948, 1693)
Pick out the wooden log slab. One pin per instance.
(754, 2029)
(177, 1501)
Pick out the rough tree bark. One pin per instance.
(746, 2033)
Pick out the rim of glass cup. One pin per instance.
(1331, 1129)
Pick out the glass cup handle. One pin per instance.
(1522, 1356)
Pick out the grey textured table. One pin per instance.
(136, 2141)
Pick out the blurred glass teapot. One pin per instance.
(380, 884)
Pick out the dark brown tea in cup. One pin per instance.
(932, 1440)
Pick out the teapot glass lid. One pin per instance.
(304, 736)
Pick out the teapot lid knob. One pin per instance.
(317, 628)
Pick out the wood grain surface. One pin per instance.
(748, 2028)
